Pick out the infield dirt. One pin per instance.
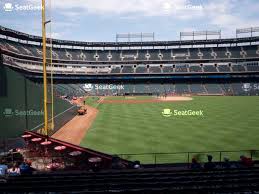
(75, 130)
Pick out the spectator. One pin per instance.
(136, 164)
(209, 165)
(25, 168)
(14, 171)
(3, 168)
(29, 162)
(246, 162)
(226, 164)
(116, 163)
(195, 164)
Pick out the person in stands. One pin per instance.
(136, 165)
(246, 162)
(3, 168)
(14, 171)
(195, 164)
(209, 165)
(25, 168)
(226, 163)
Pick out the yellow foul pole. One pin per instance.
(44, 69)
(51, 64)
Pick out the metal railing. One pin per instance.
(186, 157)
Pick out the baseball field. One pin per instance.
(138, 125)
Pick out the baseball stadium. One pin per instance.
(147, 103)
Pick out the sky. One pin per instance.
(101, 20)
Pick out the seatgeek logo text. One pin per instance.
(90, 87)
(168, 113)
(9, 7)
(9, 112)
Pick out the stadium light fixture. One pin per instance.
(246, 31)
(201, 33)
(130, 36)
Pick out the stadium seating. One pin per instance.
(141, 89)
(142, 55)
(127, 69)
(238, 89)
(181, 68)
(101, 55)
(101, 69)
(116, 70)
(155, 55)
(154, 69)
(102, 92)
(193, 53)
(238, 67)
(68, 90)
(227, 88)
(206, 53)
(209, 68)
(173, 63)
(81, 56)
(180, 54)
(138, 181)
(166, 54)
(128, 55)
(235, 52)
(220, 51)
(224, 68)
(168, 69)
(253, 66)
(197, 89)
(251, 51)
(182, 89)
(213, 89)
(141, 69)
(13, 47)
(169, 88)
(156, 89)
(128, 88)
(235, 88)
(134, 54)
(245, 88)
(195, 68)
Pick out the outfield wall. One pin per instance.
(248, 88)
(21, 105)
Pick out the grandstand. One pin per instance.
(212, 56)
(237, 64)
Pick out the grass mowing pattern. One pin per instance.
(229, 123)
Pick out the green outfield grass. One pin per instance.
(228, 123)
(92, 101)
